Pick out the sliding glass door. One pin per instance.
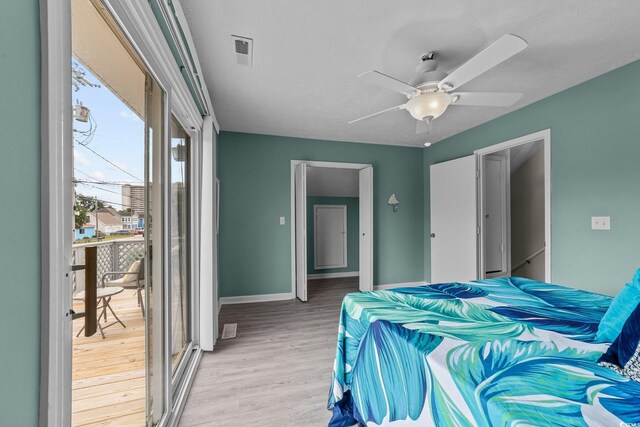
(136, 134)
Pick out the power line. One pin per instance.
(104, 201)
(94, 180)
(109, 183)
(111, 163)
(92, 177)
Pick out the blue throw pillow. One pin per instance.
(619, 310)
(624, 354)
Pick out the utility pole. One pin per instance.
(95, 201)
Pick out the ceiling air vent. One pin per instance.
(244, 50)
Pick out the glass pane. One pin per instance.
(179, 243)
(110, 137)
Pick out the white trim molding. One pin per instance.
(244, 299)
(333, 275)
(186, 31)
(399, 285)
(55, 213)
(208, 307)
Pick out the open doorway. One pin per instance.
(333, 223)
(513, 214)
(332, 226)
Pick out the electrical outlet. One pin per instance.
(601, 223)
(282, 220)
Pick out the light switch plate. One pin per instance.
(601, 223)
(282, 220)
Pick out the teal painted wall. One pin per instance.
(595, 151)
(20, 212)
(255, 177)
(353, 228)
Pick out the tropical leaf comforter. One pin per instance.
(498, 352)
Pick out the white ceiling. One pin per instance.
(307, 55)
(332, 182)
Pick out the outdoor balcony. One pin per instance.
(109, 372)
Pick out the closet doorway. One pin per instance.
(332, 223)
(514, 216)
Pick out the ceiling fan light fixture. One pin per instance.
(429, 105)
(446, 86)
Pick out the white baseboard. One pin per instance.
(333, 275)
(256, 298)
(399, 285)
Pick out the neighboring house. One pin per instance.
(105, 221)
(141, 221)
(110, 211)
(129, 219)
(85, 232)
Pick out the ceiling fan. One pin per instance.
(431, 91)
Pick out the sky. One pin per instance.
(119, 137)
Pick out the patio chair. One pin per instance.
(103, 296)
(130, 279)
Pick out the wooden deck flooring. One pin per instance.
(108, 374)
(277, 371)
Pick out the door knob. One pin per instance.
(433, 235)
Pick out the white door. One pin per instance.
(301, 230)
(330, 236)
(366, 228)
(494, 215)
(453, 221)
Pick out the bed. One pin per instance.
(497, 352)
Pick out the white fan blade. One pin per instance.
(379, 79)
(487, 99)
(499, 51)
(397, 107)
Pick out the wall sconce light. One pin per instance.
(394, 202)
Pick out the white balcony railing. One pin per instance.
(113, 255)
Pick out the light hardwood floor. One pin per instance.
(277, 371)
(108, 374)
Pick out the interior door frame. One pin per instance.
(299, 222)
(545, 137)
(505, 189)
(319, 164)
(138, 22)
